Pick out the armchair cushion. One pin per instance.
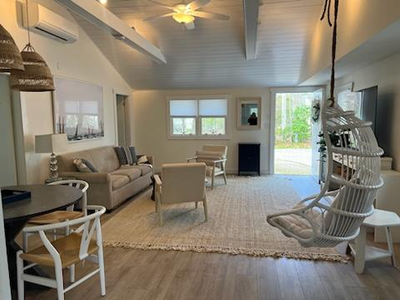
(210, 155)
(183, 182)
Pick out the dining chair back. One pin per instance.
(60, 215)
(84, 243)
(79, 184)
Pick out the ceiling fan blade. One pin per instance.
(158, 17)
(208, 15)
(197, 4)
(189, 26)
(161, 4)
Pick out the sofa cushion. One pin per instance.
(104, 159)
(144, 169)
(118, 181)
(132, 172)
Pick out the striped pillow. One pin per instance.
(81, 166)
(126, 155)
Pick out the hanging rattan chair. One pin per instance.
(333, 217)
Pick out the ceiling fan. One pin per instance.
(186, 13)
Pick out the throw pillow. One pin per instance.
(132, 150)
(89, 165)
(122, 158)
(81, 166)
(142, 160)
(126, 155)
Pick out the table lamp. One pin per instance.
(50, 143)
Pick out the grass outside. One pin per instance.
(283, 145)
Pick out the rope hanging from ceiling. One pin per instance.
(326, 13)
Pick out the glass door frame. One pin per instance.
(273, 92)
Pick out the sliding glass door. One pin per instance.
(295, 134)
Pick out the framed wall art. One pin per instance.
(78, 109)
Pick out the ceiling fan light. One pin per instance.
(183, 18)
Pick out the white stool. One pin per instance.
(359, 248)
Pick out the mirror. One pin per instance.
(249, 113)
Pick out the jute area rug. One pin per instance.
(236, 225)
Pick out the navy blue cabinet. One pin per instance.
(249, 159)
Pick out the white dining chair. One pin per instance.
(60, 215)
(79, 245)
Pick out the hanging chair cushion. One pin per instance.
(299, 225)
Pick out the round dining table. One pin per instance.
(43, 199)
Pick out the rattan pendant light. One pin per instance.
(37, 76)
(10, 58)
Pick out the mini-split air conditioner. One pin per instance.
(46, 22)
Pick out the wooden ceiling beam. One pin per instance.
(100, 16)
(250, 16)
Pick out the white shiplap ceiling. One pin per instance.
(213, 54)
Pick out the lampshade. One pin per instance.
(37, 76)
(183, 18)
(50, 143)
(10, 58)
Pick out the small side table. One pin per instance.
(51, 180)
(362, 252)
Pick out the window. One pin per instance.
(183, 115)
(198, 117)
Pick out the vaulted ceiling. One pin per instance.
(213, 54)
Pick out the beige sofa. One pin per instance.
(112, 184)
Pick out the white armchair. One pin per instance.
(181, 183)
(215, 157)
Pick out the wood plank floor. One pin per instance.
(137, 275)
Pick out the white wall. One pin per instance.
(4, 279)
(82, 61)
(359, 21)
(151, 135)
(8, 173)
(385, 74)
